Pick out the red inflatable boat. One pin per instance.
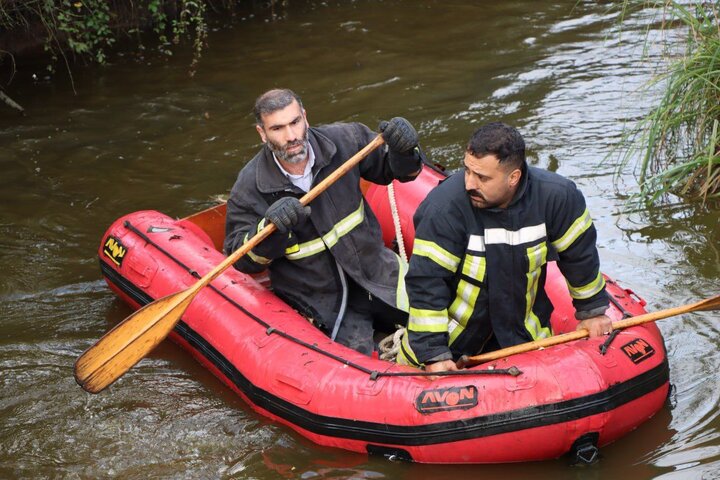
(571, 398)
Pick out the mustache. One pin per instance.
(475, 193)
(293, 144)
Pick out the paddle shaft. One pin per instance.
(711, 303)
(133, 338)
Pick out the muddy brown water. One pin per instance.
(143, 134)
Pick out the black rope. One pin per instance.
(374, 374)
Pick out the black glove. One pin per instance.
(286, 213)
(399, 135)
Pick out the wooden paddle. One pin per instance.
(712, 303)
(133, 338)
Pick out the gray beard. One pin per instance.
(282, 155)
(295, 158)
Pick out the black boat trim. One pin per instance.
(429, 434)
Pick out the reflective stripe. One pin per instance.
(476, 243)
(307, 249)
(258, 259)
(343, 227)
(532, 325)
(406, 356)
(464, 304)
(587, 291)
(515, 237)
(436, 253)
(578, 227)
(537, 257)
(454, 331)
(401, 296)
(433, 321)
(474, 267)
(466, 295)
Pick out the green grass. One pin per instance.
(678, 141)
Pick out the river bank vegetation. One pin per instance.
(61, 33)
(678, 141)
(88, 29)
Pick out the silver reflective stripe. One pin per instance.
(515, 237)
(476, 243)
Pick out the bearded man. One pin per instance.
(483, 238)
(327, 260)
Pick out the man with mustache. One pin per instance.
(482, 239)
(326, 260)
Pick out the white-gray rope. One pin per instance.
(390, 345)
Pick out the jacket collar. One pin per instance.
(269, 178)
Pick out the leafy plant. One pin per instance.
(89, 28)
(678, 142)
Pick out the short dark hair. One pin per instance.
(272, 101)
(501, 140)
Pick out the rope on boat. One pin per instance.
(396, 222)
(390, 345)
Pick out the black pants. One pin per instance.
(363, 314)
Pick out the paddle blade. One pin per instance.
(712, 303)
(131, 340)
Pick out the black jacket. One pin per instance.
(342, 230)
(475, 272)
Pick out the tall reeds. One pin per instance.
(678, 141)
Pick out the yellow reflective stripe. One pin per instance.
(578, 227)
(401, 296)
(464, 304)
(432, 321)
(307, 249)
(537, 257)
(253, 256)
(258, 259)
(292, 249)
(532, 325)
(454, 331)
(587, 291)
(474, 267)
(436, 253)
(406, 356)
(343, 227)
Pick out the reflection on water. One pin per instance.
(146, 135)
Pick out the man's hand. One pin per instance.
(442, 366)
(399, 135)
(597, 326)
(286, 213)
